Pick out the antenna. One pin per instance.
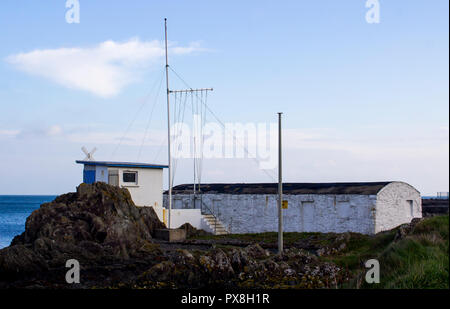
(185, 91)
(168, 121)
(89, 155)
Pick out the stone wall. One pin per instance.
(256, 213)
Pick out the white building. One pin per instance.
(144, 181)
(366, 208)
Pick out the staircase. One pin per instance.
(216, 226)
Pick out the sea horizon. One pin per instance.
(14, 211)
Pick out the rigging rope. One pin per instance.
(145, 101)
(178, 126)
(224, 127)
(150, 118)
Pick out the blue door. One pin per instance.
(89, 176)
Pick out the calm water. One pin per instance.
(14, 210)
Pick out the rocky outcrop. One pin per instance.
(250, 267)
(97, 224)
(192, 231)
(405, 229)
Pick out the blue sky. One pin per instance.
(369, 101)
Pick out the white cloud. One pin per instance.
(54, 130)
(36, 132)
(9, 133)
(104, 69)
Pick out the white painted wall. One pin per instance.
(397, 203)
(148, 190)
(366, 214)
(182, 216)
(256, 213)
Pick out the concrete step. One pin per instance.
(215, 225)
(221, 233)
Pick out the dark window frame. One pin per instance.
(127, 181)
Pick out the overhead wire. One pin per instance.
(150, 118)
(130, 124)
(224, 127)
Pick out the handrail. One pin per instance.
(210, 212)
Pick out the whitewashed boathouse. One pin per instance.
(364, 207)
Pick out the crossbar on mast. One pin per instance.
(190, 90)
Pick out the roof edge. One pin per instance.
(122, 164)
(333, 188)
(402, 182)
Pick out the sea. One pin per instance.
(14, 211)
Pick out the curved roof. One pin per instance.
(362, 188)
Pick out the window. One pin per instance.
(129, 177)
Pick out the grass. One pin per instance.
(268, 237)
(418, 261)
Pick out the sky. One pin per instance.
(361, 101)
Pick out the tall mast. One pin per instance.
(280, 189)
(191, 91)
(168, 122)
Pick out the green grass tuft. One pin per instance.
(418, 261)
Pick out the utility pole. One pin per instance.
(168, 122)
(280, 190)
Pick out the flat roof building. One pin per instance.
(144, 181)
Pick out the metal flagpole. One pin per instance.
(168, 123)
(280, 190)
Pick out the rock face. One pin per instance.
(97, 224)
(250, 267)
(192, 231)
(405, 229)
